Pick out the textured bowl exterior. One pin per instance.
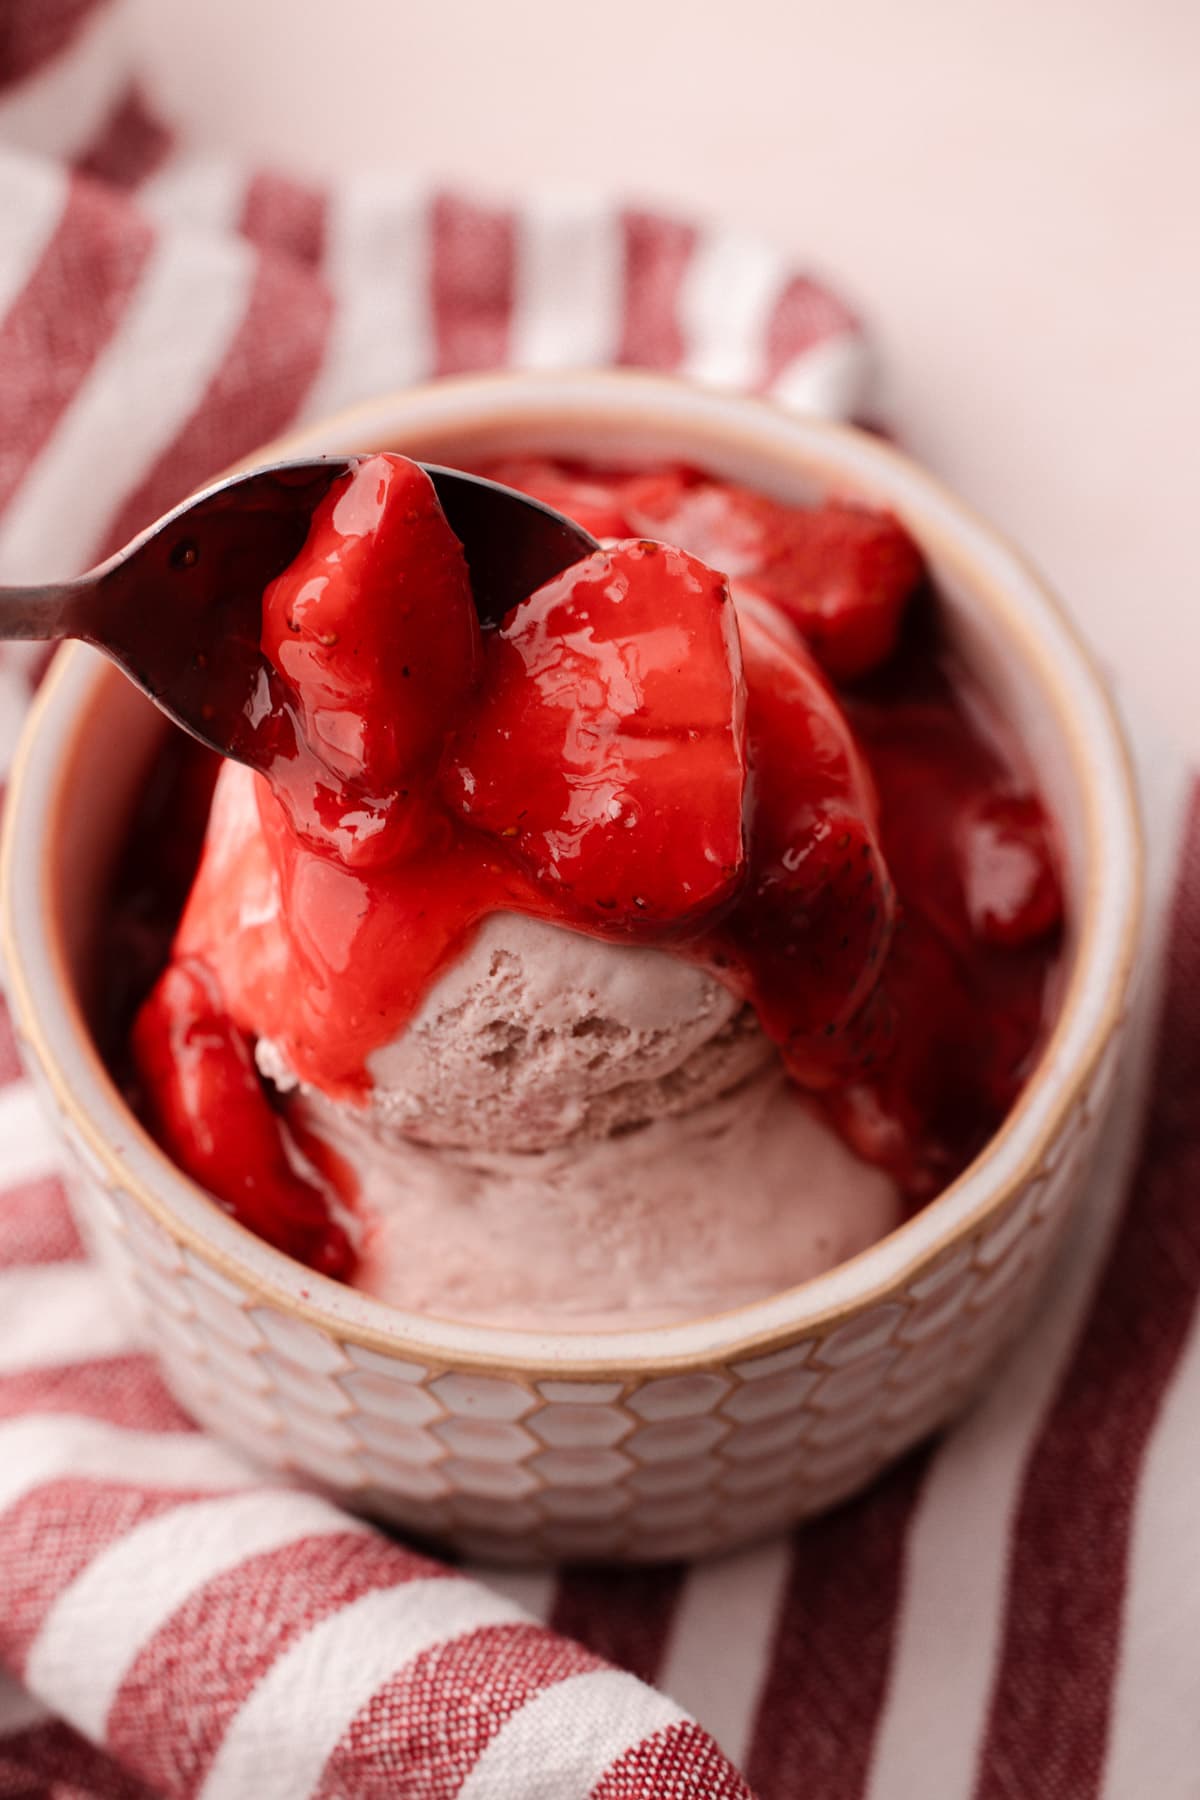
(639, 1447)
(517, 1466)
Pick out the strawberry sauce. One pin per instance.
(643, 750)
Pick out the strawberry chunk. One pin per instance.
(724, 526)
(204, 1099)
(607, 746)
(373, 629)
(842, 573)
(1008, 869)
(970, 1026)
(922, 1110)
(809, 937)
(973, 859)
(969, 848)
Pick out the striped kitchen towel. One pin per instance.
(1011, 1612)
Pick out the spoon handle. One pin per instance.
(41, 613)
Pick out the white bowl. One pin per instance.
(624, 1444)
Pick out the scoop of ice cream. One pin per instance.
(693, 1213)
(540, 1036)
(568, 1132)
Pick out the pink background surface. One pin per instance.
(1007, 190)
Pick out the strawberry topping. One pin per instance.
(208, 1107)
(807, 939)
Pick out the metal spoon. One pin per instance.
(179, 609)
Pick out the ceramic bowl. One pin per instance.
(626, 1445)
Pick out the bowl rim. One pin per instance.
(993, 570)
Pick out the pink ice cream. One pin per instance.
(568, 1132)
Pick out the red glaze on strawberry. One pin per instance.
(607, 746)
(350, 952)
(621, 758)
(208, 1109)
(373, 687)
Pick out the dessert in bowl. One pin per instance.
(636, 1380)
(533, 939)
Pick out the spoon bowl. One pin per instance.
(179, 609)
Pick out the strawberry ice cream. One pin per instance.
(608, 965)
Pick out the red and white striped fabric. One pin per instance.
(1012, 1612)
